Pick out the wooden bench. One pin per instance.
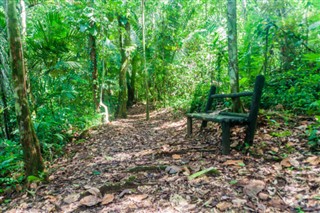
(229, 119)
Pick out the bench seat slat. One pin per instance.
(219, 118)
(232, 95)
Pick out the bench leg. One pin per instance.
(250, 134)
(225, 138)
(189, 126)
(204, 124)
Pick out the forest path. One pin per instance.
(134, 165)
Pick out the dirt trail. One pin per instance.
(133, 165)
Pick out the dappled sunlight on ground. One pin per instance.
(134, 165)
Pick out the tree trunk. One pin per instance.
(94, 69)
(30, 143)
(6, 114)
(265, 64)
(233, 52)
(105, 113)
(23, 19)
(144, 59)
(125, 60)
(132, 81)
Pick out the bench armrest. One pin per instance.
(232, 95)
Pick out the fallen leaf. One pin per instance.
(222, 206)
(95, 191)
(178, 200)
(288, 162)
(108, 198)
(313, 160)
(33, 185)
(186, 171)
(237, 163)
(263, 196)
(254, 187)
(238, 202)
(51, 177)
(51, 198)
(176, 157)
(71, 198)
(138, 198)
(90, 200)
(276, 202)
(180, 203)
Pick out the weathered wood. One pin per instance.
(232, 95)
(235, 114)
(229, 119)
(209, 104)
(225, 138)
(218, 118)
(254, 109)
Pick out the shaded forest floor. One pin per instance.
(133, 165)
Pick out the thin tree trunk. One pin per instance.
(30, 143)
(105, 117)
(144, 58)
(265, 64)
(23, 19)
(125, 61)
(6, 114)
(233, 52)
(132, 81)
(94, 69)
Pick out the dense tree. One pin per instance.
(125, 43)
(144, 57)
(233, 52)
(31, 147)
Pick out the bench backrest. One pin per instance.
(255, 100)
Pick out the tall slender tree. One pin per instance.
(125, 42)
(144, 58)
(94, 67)
(93, 60)
(30, 143)
(233, 52)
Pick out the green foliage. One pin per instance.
(200, 98)
(11, 164)
(297, 91)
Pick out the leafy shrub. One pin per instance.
(295, 91)
(199, 100)
(10, 163)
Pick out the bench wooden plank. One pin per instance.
(218, 117)
(232, 95)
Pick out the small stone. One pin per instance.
(263, 196)
(173, 169)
